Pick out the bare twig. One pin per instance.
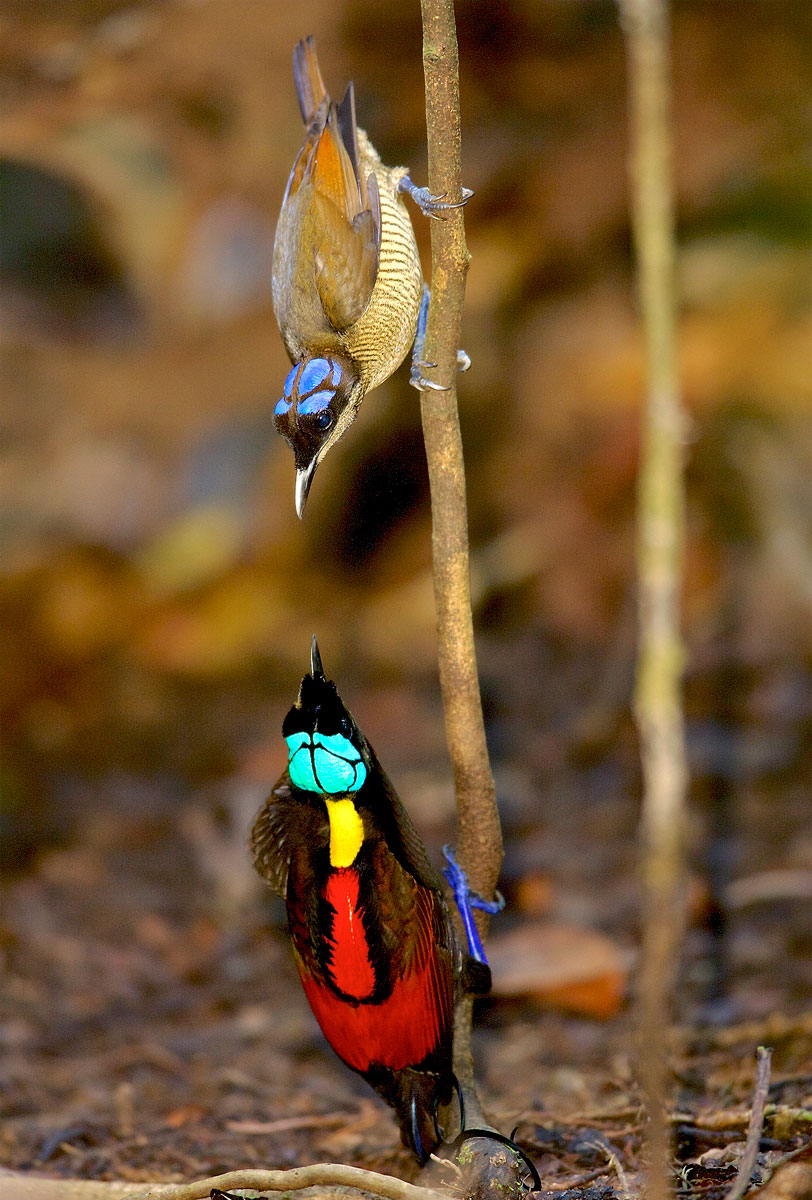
(316, 1121)
(328, 1175)
(579, 1181)
(658, 704)
(614, 1164)
(323, 1175)
(480, 838)
(742, 1180)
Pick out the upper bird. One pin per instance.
(347, 282)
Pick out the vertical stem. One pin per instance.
(480, 838)
(658, 702)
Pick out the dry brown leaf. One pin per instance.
(791, 1182)
(563, 965)
(184, 1115)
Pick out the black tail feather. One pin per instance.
(415, 1096)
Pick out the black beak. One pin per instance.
(316, 669)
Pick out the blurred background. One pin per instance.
(158, 594)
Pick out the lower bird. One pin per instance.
(348, 288)
(370, 926)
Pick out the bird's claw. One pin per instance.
(419, 381)
(436, 207)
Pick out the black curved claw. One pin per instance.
(468, 1134)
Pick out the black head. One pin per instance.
(319, 708)
(314, 411)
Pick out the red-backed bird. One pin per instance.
(368, 919)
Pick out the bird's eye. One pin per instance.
(324, 419)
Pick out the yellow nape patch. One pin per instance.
(346, 832)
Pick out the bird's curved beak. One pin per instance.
(304, 478)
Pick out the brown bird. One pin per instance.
(348, 289)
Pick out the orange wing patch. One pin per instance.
(331, 171)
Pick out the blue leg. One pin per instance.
(416, 377)
(467, 901)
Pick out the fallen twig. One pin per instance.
(577, 1182)
(614, 1164)
(323, 1175)
(785, 1158)
(285, 1124)
(326, 1175)
(742, 1180)
(725, 1121)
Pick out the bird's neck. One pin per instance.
(346, 831)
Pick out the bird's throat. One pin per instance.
(346, 831)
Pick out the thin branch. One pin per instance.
(614, 1164)
(480, 839)
(760, 1092)
(327, 1175)
(658, 702)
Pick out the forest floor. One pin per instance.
(154, 1027)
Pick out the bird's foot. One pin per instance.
(418, 380)
(466, 901)
(436, 207)
(416, 377)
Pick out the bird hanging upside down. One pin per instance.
(348, 289)
(368, 919)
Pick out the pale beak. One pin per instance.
(304, 478)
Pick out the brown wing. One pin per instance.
(414, 926)
(397, 826)
(337, 207)
(283, 824)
